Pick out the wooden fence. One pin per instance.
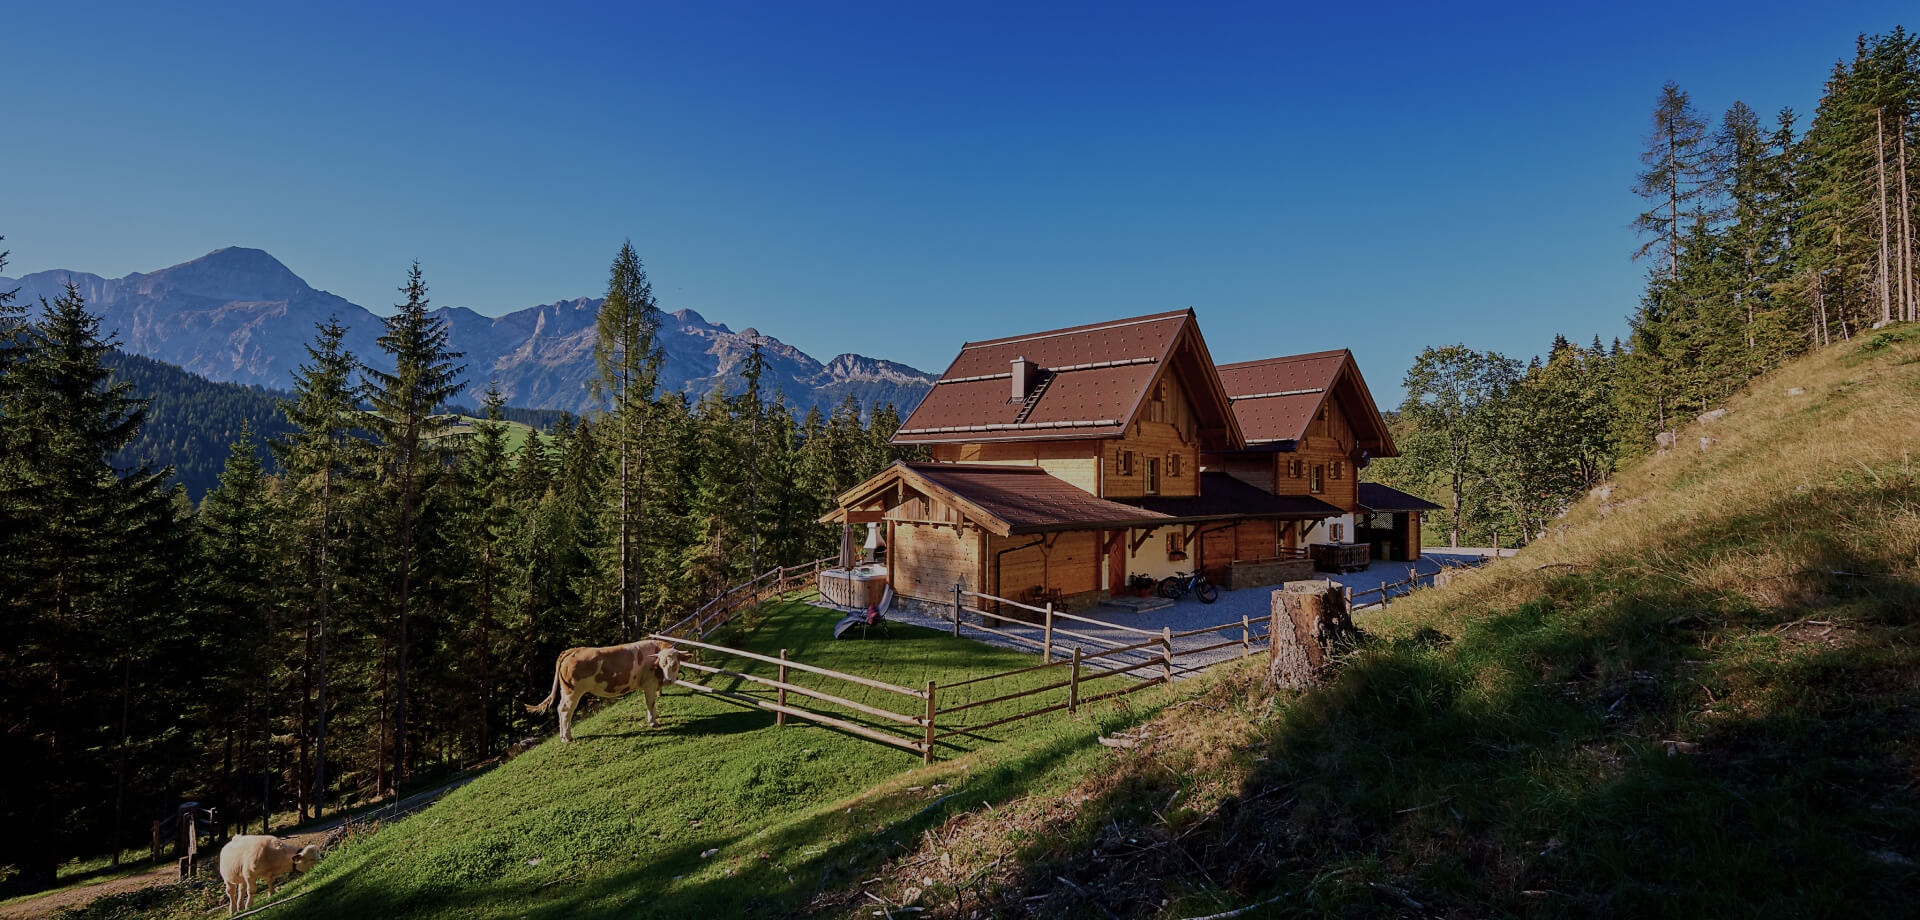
(1385, 591)
(720, 611)
(921, 730)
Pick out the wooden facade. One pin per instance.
(1085, 464)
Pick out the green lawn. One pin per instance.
(620, 821)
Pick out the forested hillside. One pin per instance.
(191, 421)
(1761, 240)
(371, 606)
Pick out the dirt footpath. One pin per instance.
(45, 905)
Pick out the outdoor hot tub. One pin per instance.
(859, 587)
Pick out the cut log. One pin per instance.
(1310, 625)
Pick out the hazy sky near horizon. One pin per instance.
(894, 179)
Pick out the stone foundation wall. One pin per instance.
(1258, 574)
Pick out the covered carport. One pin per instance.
(1389, 521)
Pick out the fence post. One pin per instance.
(956, 610)
(1166, 644)
(926, 753)
(1046, 647)
(1246, 638)
(780, 718)
(1073, 683)
(1349, 592)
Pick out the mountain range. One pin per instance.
(238, 315)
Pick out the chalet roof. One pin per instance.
(1009, 500)
(1092, 382)
(1275, 399)
(1223, 497)
(1029, 500)
(1377, 497)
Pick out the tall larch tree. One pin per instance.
(1679, 166)
(627, 358)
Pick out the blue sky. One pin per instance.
(896, 178)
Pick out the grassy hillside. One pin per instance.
(1698, 699)
(716, 813)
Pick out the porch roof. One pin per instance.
(1223, 497)
(1377, 497)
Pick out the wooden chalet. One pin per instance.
(1064, 462)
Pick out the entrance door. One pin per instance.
(1117, 562)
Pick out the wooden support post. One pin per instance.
(926, 752)
(956, 610)
(1246, 638)
(1166, 646)
(1073, 683)
(1046, 646)
(780, 718)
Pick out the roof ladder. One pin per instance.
(1033, 398)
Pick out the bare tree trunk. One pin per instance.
(1673, 207)
(320, 704)
(1453, 534)
(1909, 298)
(1820, 294)
(406, 585)
(1880, 175)
(120, 783)
(302, 785)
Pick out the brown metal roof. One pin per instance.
(1094, 377)
(1377, 497)
(1275, 399)
(1029, 500)
(1223, 497)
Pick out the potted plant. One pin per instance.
(1142, 585)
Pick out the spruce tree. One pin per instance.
(314, 456)
(88, 584)
(240, 601)
(405, 415)
(490, 511)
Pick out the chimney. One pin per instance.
(1024, 372)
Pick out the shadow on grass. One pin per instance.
(1623, 745)
(774, 873)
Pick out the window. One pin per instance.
(1293, 467)
(1338, 468)
(1319, 479)
(1125, 463)
(1336, 532)
(1173, 464)
(1153, 476)
(1176, 545)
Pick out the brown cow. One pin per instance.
(250, 859)
(608, 672)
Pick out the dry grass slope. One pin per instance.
(1703, 702)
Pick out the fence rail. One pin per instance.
(1108, 658)
(1385, 591)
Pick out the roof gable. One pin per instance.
(1093, 382)
(1275, 399)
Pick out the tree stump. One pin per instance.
(1310, 623)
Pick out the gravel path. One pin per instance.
(1255, 604)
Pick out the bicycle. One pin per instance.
(1174, 587)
